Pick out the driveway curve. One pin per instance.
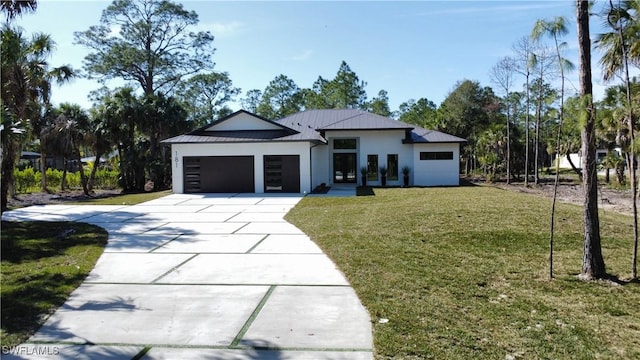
(205, 276)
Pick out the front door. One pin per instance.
(344, 168)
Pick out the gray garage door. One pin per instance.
(219, 174)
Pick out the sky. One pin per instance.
(411, 49)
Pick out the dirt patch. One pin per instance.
(42, 198)
(608, 199)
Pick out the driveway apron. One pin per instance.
(204, 276)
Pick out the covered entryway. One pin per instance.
(344, 168)
(282, 173)
(219, 174)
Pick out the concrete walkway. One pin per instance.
(202, 277)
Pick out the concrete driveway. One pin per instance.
(202, 277)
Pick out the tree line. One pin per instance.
(513, 132)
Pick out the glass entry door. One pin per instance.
(344, 168)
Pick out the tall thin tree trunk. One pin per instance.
(536, 149)
(92, 175)
(43, 170)
(508, 143)
(83, 178)
(592, 261)
(527, 140)
(10, 150)
(632, 157)
(557, 177)
(63, 181)
(555, 195)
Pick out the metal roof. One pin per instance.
(420, 135)
(342, 119)
(310, 125)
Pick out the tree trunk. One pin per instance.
(526, 131)
(592, 261)
(43, 170)
(83, 178)
(63, 181)
(10, 151)
(508, 144)
(607, 177)
(536, 155)
(573, 166)
(631, 158)
(92, 175)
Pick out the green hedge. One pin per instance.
(28, 180)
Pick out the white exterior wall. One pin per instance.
(436, 172)
(321, 167)
(257, 150)
(378, 142)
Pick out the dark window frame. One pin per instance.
(392, 166)
(436, 155)
(345, 144)
(372, 167)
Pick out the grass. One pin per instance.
(42, 263)
(125, 199)
(462, 273)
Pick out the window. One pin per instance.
(372, 167)
(436, 155)
(344, 144)
(392, 166)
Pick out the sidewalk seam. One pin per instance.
(164, 243)
(173, 268)
(253, 316)
(256, 244)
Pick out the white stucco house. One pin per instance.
(244, 152)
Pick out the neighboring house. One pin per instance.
(576, 158)
(244, 152)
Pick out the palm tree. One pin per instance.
(161, 117)
(101, 141)
(621, 47)
(26, 85)
(555, 29)
(15, 8)
(122, 111)
(71, 128)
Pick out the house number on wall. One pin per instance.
(176, 159)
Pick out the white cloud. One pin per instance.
(224, 29)
(305, 55)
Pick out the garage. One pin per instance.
(282, 173)
(219, 174)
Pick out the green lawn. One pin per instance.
(462, 273)
(40, 268)
(42, 263)
(125, 199)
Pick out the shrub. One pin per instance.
(26, 180)
(54, 178)
(106, 179)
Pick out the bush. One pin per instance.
(54, 178)
(106, 179)
(28, 180)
